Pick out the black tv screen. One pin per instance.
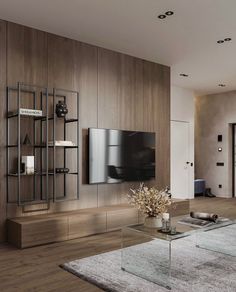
(116, 156)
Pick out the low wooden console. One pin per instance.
(48, 228)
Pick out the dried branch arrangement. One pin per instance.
(150, 201)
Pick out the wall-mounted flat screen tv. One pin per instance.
(116, 156)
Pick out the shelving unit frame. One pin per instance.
(20, 89)
(57, 93)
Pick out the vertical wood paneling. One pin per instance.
(131, 93)
(35, 57)
(61, 62)
(26, 62)
(162, 107)
(86, 77)
(157, 116)
(109, 82)
(61, 71)
(120, 97)
(26, 55)
(116, 91)
(15, 53)
(2, 129)
(109, 92)
(73, 65)
(130, 105)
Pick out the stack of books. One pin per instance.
(61, 143)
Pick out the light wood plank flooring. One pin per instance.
(37, 269)
(221, 206)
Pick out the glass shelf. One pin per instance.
(41, 174)
(71, 120)
(40, 146)
(13, 115)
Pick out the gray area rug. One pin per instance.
(193, 269)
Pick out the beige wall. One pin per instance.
(214, 115)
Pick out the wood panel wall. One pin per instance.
(116, 91)
(2, 130)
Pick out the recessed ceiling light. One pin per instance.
(183, 75)
(220, 41)
(221, 85)
(168, 13)
(162, 16)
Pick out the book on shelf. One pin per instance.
(27, 163)
(31, 112)
(61, 143)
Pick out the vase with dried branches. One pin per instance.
(151, 202)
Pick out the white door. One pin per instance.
(180, 164)
(234, 190)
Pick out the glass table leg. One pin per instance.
(218, 241)
(146, 257)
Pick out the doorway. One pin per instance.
(233, 160)
(180, 163)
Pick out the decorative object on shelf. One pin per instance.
(204, 216)
(27, 163)
(165, 223)
(27, 140)
(151, 202)
(61, 109)
(62, 170)
(31, 112)
(61, 143)
(173, 230)
(153, 222)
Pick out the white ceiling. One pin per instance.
(185, 41)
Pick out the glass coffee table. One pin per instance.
(149, 254)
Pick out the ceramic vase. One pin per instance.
(153, 222)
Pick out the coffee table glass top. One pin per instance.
(182, 230)
(152, 255)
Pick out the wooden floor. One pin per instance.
(220, 206)
(37, 269)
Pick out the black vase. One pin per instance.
(61, 109)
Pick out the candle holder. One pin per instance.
(166, 223)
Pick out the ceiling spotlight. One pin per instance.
(168, 13)
(221, 85)
(227, 39)
(162, 16)
(183, 75)
(220, 41)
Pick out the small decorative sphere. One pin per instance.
(61, 109)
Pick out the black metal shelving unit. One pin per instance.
(42, 125)
(63, 93)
